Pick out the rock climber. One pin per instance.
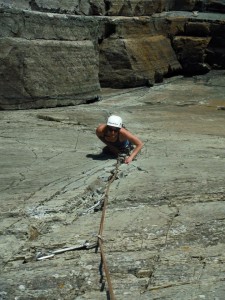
(118, 139)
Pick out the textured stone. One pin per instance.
(191, 52)
(163, 232)
(135, 62)
(115, 7)
(65, 6)
(47, 73)
(138, 7)
(49, 26)
(95, 7)
(186, 26)
(133, 51)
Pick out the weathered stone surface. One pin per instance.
(191, 52)
(95, 7)
(202, 39)
(115, 7)
(47, 58)
(163, 232)
(135, 62)
(48, 26)
(80, 82)
(133, 51)
(135, 54)
(138, 7)
(65, 6)
(40, 73)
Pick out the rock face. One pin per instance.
(199, 44)
(135, 55)
(191, 53)
(138, 8)
(57, 54)
(163, 234)
(116, 7)
(45, 63)
(46, 73)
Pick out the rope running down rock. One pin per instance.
(100, 240)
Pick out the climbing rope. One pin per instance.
(100, 240)
(86, 245)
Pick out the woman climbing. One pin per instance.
(118, 139)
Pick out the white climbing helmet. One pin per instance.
(114, 121)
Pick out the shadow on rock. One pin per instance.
(100, 156)
(104, 155)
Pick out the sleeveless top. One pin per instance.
(118, 144)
